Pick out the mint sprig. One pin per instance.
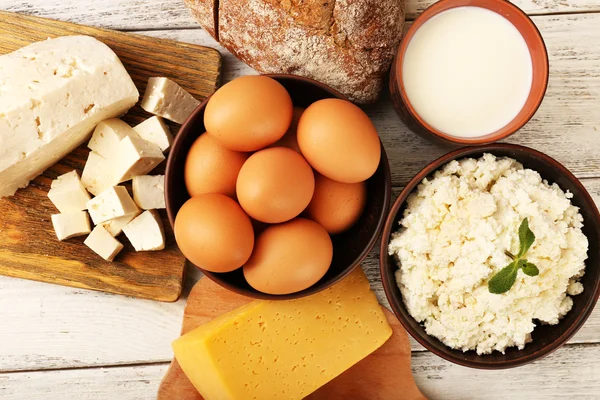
(506, 277)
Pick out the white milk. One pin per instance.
(467, 71)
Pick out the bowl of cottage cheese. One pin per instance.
(459, 223)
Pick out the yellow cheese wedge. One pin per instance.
(284, 349)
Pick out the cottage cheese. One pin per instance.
(452, 239)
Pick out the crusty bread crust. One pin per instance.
(206, 13)
(347, 44)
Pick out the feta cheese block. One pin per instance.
(146, 232)
(112, 203)
(149, 191)
(53, 93)
(155, 130)
(98, 174)
(165, 98)
(103, 244)
(135, 157)
(68, 194)
(115, 226)
(107, 135)
(284, 349)
(72, 224)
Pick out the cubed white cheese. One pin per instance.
(103, 244)
(72, 224)
(115, 226)
(149, 191)
(112, 203)
(155, 130)
(52, 95)
(165, 98)
(68, 194)
(98, 174)
(135, 157)
(107, 135)
(146, 232)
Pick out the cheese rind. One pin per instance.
(115, 226)
(72, 224)
(146, 232)
(68, 194)
(107, 135)
(103, 244)
(135, 157)
(165, 98)
(54, 93)
(112, 203)
(149, 191)
(155, 130)
(284, 349)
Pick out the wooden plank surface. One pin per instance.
(28, 245)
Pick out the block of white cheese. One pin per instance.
(136, 156)
(149, 191)
(112, 203)
(68, 194)
(146, 232)
(103, 244)
(52, 95)
(68, 225)
(98, 174)
(107, 135)
(165, 98)
(155, 130)
(115, 226)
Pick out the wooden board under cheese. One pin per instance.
(29, 247)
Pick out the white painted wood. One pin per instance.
(570, 373)
(170, 14)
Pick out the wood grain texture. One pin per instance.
(380, 376)
(172, 14)
(29, 248)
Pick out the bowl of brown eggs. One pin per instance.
(277, 186)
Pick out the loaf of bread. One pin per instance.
(347, 44)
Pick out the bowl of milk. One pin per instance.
(469, 71)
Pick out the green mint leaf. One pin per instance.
(526, 238)
(530, 269)
(504, 279)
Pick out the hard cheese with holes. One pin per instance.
(52, 94)
(284, 349)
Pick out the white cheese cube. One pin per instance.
(155, 130)
(98, 174)
(115, 226)
(165, 98)
(103, 244)
(72, 224)
(68, 194)
(107, 135)
(146, 232)
(112, 203)
(135, 157)
(52, 95)
(149, 191)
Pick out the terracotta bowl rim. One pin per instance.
(176, 148)
(427, 14)
(389, 282)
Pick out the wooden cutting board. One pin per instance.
(28, 246)
(383, 375)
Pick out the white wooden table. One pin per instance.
(62, 343)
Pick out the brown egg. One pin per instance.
(290, 140)
(339, 140)
(212, 168)
(249, 113)
(214, 233)
(336, 206)
(289, 257)
(275, 185)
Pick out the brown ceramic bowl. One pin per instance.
(539, 57)
(546, 338)
(349, 248)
